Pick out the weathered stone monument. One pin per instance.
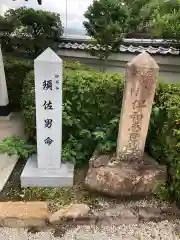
(130, 171)
(4, 101)
(46, 169)
(136, 108)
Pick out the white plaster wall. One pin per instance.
(169, 65)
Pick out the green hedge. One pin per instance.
(163, 141)
(91, 111)
(75, 66)
(16, 70)
(90, 101)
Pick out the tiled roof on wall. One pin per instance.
(135, 46)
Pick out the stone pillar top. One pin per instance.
(48, 56)
(143, 60)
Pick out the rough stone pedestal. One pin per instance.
(32, 176)
(124, 179)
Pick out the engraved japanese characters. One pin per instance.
(138, 97)
(48, 85)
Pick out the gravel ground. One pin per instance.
(165, 230)
(103, 204)
(160, 231)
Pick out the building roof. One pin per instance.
(152, 46)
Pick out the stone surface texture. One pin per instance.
(7, 164)
(150, 214)
(124, 178)
(81, 214)
(36, 215)
(117, 216)
(70, 212)
(136, 108)
(32, 176)
(23, 214)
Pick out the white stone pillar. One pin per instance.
(48, 86)
(4, 101)
(46, 169)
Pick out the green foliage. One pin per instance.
(167, 21)
(6, 29)
(107, 136)
(106, 22)
(164, 137)
(91, 110)
(75, 66)
(140, 14)
(16, 70)
(90, 102)
(33, 30)
(16, 146)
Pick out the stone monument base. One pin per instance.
(124, 179)
(5, 110)
(32, 176)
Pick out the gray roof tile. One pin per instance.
(124, 48)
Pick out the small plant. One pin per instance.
(107, 136)
(16, 146)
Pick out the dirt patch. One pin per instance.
(13, 186)
(63, 196)
(55, 196)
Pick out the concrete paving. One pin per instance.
(7, 164)
(12, 125)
